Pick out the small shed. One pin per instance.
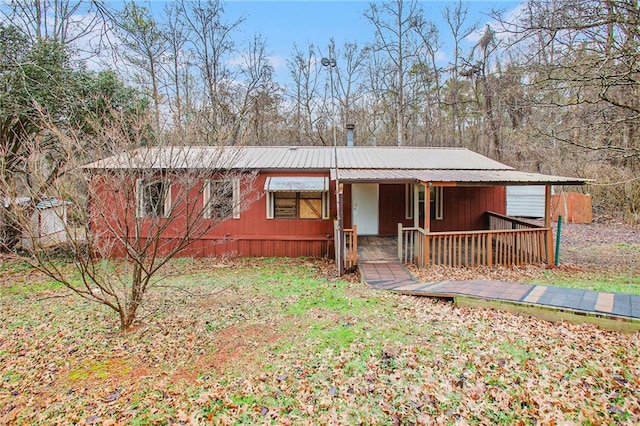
(48, 224)
(525, 201)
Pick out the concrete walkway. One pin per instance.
(617, 306)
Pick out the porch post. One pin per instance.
(339, 202)
(427, 206)
(427, 221)
(400, 248)
(547, 222)
(416, 206)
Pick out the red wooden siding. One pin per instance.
(346, 201)
(464, 208)
(392, 208)
(250, 235)
(254, 235)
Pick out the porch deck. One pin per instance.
(377, 249)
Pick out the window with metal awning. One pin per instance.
(297, 197)
(296, 184)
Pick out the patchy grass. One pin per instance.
(8, 267)
(284, 342)
(20, 278)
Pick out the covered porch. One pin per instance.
(461, 223)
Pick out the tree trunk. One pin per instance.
(129, 310)
(126, 319)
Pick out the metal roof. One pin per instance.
(288, 158)
(355, 164)
(414, 158)
(43, 204)
(210, 157)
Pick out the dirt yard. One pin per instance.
(606, 244)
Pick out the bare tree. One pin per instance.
(582, 59)
(178, 67)
(586, 51)
(211, 43)
(145, 46)
(395, 24)
(66, 22)
(258, 93)
(348, 82)
(139, 208)
(304, 69)
(377, 105)
(425, 77)
(456, 21)
(481, 70)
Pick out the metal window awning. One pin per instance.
(296, 184)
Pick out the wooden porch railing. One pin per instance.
(411, 245)
(509, 242)
(351, 247)
(499, 221)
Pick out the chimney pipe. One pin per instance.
(350, 128)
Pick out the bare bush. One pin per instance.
(143, 206)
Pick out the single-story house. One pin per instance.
(444, 205)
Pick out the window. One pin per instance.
(436, 202)
(435, 195)
(222, 199)
(293, 205)
(153, 197)
(284, 205)
(297, 197)
(408, 200)
(311, 205)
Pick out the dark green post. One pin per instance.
(557, 259)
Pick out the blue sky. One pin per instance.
(283, 23)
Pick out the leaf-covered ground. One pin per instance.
(284, 342)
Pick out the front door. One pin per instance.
(364, 202)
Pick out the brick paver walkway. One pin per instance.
(395, 277)
(386, 275)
